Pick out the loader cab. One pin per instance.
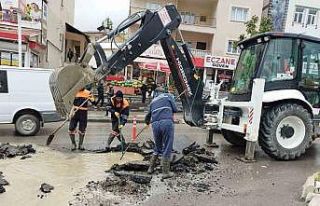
(285, 61)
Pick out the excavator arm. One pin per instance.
(155, 26)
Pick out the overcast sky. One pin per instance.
(90, 13)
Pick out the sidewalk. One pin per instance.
(100, 116)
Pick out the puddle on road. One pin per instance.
(67, 172)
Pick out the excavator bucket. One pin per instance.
(65, 82)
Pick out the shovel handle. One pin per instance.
(136, 138)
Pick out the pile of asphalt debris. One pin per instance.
(191, 167)
(3, 183)
(9, 151)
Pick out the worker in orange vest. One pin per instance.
(80, 116)
(119, 117)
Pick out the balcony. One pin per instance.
(189, 18)
(196, 23)
(6, 16)
(190, 21)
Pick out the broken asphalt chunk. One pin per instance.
(2, 189)
(3, 182)
(205, 158)
(46, 188)
(137, 178)
(10, 151)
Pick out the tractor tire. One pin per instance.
(234, 138)
(286, 131)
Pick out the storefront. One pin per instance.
(9, 56)
(219, 68)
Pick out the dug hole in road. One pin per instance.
(230, 182)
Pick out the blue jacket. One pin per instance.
(161, 108)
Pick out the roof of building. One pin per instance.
(72, 29)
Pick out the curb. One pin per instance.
(129, 121)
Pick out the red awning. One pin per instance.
(149, 66)
(198, 62)
(115, 78)
(12, 36)
(165, 68)
(36, 46)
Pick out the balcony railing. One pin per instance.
(188, 18)
(8, 16)
(199, 52)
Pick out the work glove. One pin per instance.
(117, 114)
(120, 126)
(147, 125)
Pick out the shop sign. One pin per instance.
(154, 51)
(220, 62)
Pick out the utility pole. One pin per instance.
(18, 11)
(19, 39)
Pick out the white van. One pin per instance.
(25, 99)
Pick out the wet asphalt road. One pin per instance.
(265, 182)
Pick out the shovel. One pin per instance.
(140, 132)
(51, 136)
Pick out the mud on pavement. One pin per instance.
(130, 184)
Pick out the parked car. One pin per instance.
(25, 99)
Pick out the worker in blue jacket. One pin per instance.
(160, 116)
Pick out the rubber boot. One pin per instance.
(73, 141)
(165, 163)
(81, 138)
(109, 141)
(153, 162)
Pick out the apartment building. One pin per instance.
(210, 28)
(43, 23)
(294, 16)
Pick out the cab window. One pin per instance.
(280, 62)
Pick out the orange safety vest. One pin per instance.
(81, 97)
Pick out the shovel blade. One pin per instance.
(65, 82)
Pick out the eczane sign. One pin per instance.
(220, 62)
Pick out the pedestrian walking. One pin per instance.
(160, 115)
(144, 90)
(80, 116)
(100, 89)
(119, 117)
(70, 54)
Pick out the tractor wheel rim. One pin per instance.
(290, 132)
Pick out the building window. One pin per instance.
(312, 15)
(298, 15)
(203, 18)
(3, 82)
(188, 17)
(153, 6)
(10, 58)
(239, 14)
(201, 45)
(232, 49)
